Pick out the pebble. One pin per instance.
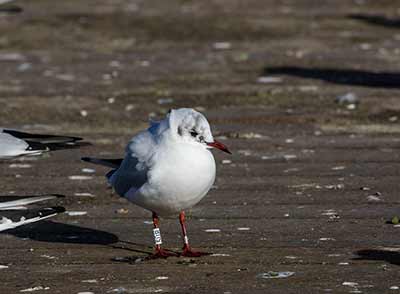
(222, 45)
(269, 80)
(212, 230)
(84, 194)
(275, 275)
(89, 281)
(3, 266)
(37, 288)
(20, 165)
(79, 177)
(165, 101)
(11, 57)
(76, 213)
(348, 98)
(350, 284)
(243, 229)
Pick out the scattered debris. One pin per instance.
(289, 156)
(20, 165)
(289, 141)
(76, 213)
(37, 288)
(327, 239)
(245, 152)
(24, 66)
(11, 57)
(89, 281)
(212, 230)
(220, 254)
(222, 45)
(3, 266)
(334, 187)
(226, 161)
(79, 177)
(65, 77)
(84, 113)
(350, 284)
(275, 275)
(165, 101)
(48, 256)
(347, 99)
(373, 198)
(340, 167)
(162, 278)
(238, 135)
(365, 188)
(122, 211)
(88, 170)
(243, 229)
(269, 80)
(343, 263)
(394, 288)
(84, 194)
(129, 107)
(329, 212)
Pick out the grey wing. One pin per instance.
(130, 174)
(133, 171)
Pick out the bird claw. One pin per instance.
(161, 253)
(187, 252)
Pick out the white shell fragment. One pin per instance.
(275, 275)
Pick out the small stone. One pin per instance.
(348, 98)
(222, 45)
(122, 211)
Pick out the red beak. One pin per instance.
(219, 146)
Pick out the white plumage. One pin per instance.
(168, 167)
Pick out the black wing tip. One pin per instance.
(58, 209)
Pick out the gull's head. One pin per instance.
(191, 126)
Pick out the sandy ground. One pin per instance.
(311, 183)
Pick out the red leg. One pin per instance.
(187, 251)
(159, 252)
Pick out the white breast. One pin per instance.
(181, 177)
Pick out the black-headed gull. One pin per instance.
(13, 209)
(167, 169)
(15, 143)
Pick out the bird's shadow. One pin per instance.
(340, 76)
(376, 19)
(54, 232)
(392, 257)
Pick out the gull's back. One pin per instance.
(132, 173)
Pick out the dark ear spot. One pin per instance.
(169, 111)
(180, 131)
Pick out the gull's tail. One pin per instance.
(14, 213)
(113, 163)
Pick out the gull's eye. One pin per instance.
(193, 133)
(201, 139)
